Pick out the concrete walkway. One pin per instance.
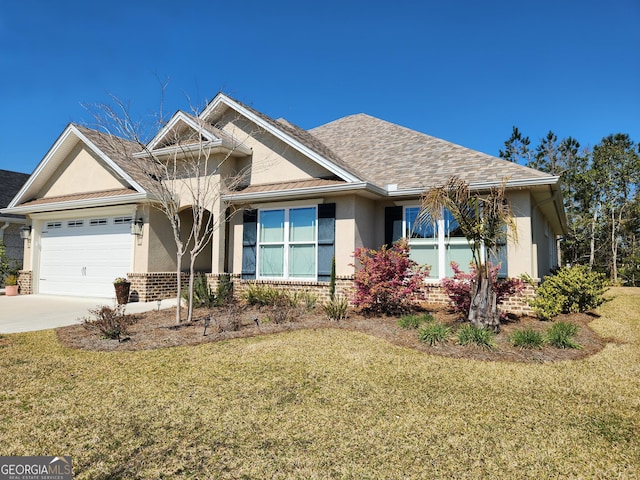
(25, 313)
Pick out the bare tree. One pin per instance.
(186, 170)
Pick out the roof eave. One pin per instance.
(305, 191)
(75, 204)
(213, 146)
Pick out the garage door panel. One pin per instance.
(84, 260)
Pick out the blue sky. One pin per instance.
(465, 71)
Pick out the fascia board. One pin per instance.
(183, 148)
(76, 204)
(17, 199)
(332, 167)
(178, 116)
(524, 183)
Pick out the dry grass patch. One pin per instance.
(324, 403)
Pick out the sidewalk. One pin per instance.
(25, 313)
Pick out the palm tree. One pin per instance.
(485, 219)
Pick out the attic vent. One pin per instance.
(391, 187)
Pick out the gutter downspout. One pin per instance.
(2, 229)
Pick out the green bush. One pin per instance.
(202, 294)
(561, 334)
(482, 337)
(224, 290)
(262, 294)
(434, 333)
(414, 321)
(527, 338)
(569, 290)
(336, 308)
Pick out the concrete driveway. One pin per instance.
(25, 313)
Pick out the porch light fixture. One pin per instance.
(136, 227)
(25, 232)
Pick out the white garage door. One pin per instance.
(82, 257)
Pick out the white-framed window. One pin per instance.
(122, 220)
(287, 243)
(52, 225)
(440, 243)
(96, 222)
(75, 223)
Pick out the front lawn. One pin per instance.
(325, 403)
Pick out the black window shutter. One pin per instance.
(326, 239)
(249, 242)
(392, 224)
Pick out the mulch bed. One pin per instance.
(158, 329)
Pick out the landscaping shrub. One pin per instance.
(203, 296)
(414, 321)
(458, 288)
(224, 290)
(112, 323)
(336, 308)
(261, 294)
(483, 337)
(434, 333)
(305, 299)
(281, 307)
(527, 338)
(387, 281)
(561, 334)
(569, 290)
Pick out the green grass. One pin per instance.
(323, 404)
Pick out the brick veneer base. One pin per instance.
(150, 287)
(25, 282)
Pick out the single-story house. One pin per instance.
(10, 224)
(305, 197)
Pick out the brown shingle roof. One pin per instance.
(386, 153)
(10, 184)
(272, 187)
(79, 196)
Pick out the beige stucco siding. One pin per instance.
(520, 254)
(81, 172)
(160, 251)
(273, 161)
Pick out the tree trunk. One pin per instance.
(592, 243)
(179, 287)
(190, 297)
(483, 311)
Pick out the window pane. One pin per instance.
(451, 227)
(418, 229)
(500, 259)
(426, 255)
(272, 226)
(302, 261)
(271, 261)
(302, 224)
(459, 253)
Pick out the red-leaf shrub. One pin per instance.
(387, 281)
(458, 288)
